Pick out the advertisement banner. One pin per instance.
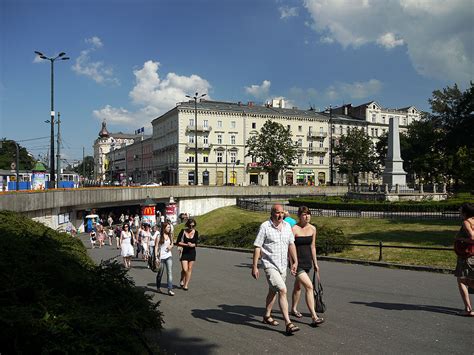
(148, 215)
(39, 181)
(171, 212)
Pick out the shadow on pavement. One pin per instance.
(242, 315)
(172, 342)
(410, 307)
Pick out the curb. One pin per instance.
(352, 261)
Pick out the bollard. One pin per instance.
(434, 187)
(421, 189)
(380, 250)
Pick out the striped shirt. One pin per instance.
(274, 242)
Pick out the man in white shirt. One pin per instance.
(274, 240)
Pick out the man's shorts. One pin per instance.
(275, 279)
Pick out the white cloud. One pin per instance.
(287, 12)
(97, 70)
(437, 34)
(153, 96)
(259, 91)
(388, 40)
(359, 90)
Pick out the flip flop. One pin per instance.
(317, 322)
(296, 314)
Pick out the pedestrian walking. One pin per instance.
(305, 242)
(187, 239)
(273, 243)
(464, 248)
(155, 236)
(117, 232)
(163, 247)
(145, 239)
(126, 242)
(122, 218)
(110, 221)
(110, 234)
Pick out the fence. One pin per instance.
(380, 245)
(265, 205)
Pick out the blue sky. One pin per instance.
(134, 60)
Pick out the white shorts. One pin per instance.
(275, 279)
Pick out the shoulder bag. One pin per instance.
(319, 305)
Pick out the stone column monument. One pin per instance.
(393, 173)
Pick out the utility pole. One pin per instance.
(58, 155)
(226, 181)
(331, 178)
(83, 166)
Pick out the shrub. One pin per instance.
(331, 240)
(55, 299)
(242, 237)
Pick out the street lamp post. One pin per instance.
(60, 56)
(195, 98)
(331, 178)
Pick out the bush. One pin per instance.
(359, 205)
(55, 299)
(331, 240)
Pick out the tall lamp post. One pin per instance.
(195, 98)
(60, 56)
(331, 178)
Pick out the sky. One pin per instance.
(131, 61)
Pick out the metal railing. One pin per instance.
(380, 246)
(265, 205)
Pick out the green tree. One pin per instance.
(8, 156)
(453, 117)
(273, 148)
(355, 154)
(88, 163)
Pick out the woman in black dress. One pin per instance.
(187, 239)
(305, 241)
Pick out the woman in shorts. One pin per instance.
(305, 242)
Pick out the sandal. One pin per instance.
(296, 314)
(466, 314)
(316, 322)
(291, 328)
(270, 321)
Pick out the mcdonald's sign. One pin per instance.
(148, 210)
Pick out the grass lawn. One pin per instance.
(431, 233)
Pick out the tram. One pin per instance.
(68, 180)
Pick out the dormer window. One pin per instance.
(373, 107)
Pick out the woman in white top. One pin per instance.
(145, 239)
(163, 253)
(126, 242)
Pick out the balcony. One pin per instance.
(317, 150)
(317, 135)
(200, 146)
(200, 128)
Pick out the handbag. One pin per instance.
(464, 249)
(319, 305)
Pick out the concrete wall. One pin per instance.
(200, 206)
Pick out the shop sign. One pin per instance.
(306, 172)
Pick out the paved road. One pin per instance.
(371, 310)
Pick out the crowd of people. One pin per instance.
(136, 238)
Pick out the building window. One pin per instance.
(310, 146)
(321, 144)
(373, 106)
(191, 138)
(219, 157)
(191, 122)
(300, 142)
(254, 125)
(384, 130)
(374, 118)
(190, 159)
(289, 127)
(233, 156)
(232, 139)
(372, 132)
(405, 121)
(383, 119)
(219, 139)
(205, 139)
(321, 130)
(376, 132)
(300, 128)
(333, 129)
(340, 130)
(205, 123)
(232, 124)
(219, 124)
(310, 160)
(205, 159)
(321, 160)
(310, 129)
(300, 159)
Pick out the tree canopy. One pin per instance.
(88, 164)
(355, 154)
(273, 148)
(8, 156)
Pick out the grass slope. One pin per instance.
(430, 233)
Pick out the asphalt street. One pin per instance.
(371, 310)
